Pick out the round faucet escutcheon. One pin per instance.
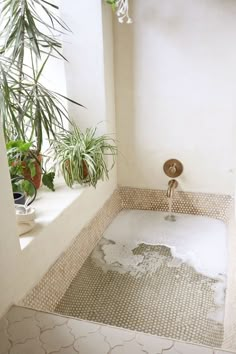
(173, 168)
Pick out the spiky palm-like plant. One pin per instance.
(29, 35)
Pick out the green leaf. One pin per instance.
(32, 168)
(28, 188)
(70, 100)
(15, 187)
(50, 4)
(112, 3)
(48, 180)
(25, 147)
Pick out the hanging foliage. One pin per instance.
(121, 7)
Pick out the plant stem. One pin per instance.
(20, 67)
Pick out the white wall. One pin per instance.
(230, 306)
(21, 270)
(88, 62)
(9, 244)
(176, 93)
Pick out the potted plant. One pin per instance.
(24, 191)
(23, 161)
(82, 157)
(122, 10)
(30, 32)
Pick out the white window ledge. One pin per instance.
(49, 206)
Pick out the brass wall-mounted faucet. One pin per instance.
(172, 168)
(172, 185)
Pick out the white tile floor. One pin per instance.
(25, 331)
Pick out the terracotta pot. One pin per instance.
(85, 168)
(38, 176)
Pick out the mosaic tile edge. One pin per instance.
(217, 206)
(46, 294)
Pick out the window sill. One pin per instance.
(49, 206)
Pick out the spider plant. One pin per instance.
(83, 156)
(122, 9)
(112, 3)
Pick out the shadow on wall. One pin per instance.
(124, 54)
(168, 14)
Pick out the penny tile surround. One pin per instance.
(172, 301)
(52, 286)
(48, 292)
(217, 206)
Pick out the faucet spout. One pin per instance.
(172, 185)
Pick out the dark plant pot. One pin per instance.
(19, 198)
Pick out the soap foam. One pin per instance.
(197, 240)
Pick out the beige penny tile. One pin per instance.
(185, 348)
(16, 314)
(48, 292)
(116, 336)
(81, 328)
(128, 348)
(46, 321)
(51, 288)
(152, 344)
(56, 338)
(31, 346)
(93, 343)
(165, 303)
(214, 205)
(22, 330)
